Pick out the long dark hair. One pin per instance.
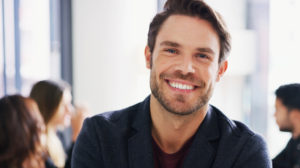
(20, 131)
(48, 95)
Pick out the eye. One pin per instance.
(202, 56)
(172, 51)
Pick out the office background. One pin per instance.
(98, 45)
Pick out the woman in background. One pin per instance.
(21, 132)
(54, 101)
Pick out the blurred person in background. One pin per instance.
(21, 133)
(287, 115)
(54, 101)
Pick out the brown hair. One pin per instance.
(194, 8)
(48, 95)
(20, 131)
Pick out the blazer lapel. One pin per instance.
(140, 153)
(200, 154)
(202, 151)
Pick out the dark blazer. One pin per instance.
(122, 139)
(290, 156)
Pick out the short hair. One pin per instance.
(289, 94)
(48, 94)
(194, 8)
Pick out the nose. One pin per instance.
(185, 65)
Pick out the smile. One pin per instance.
(181, 86)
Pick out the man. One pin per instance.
(175, 126)
(287, 116)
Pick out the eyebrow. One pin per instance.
(174, 44)
(206, 49)
(170, 43)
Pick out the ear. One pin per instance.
(148, 57)
(222, 69)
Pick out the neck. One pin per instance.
(171, 131)
(51, 128)
(295, 120)
(296, 132)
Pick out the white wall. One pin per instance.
(109, 39)
(108, 45)
(232, 92)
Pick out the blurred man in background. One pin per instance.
(287, 116)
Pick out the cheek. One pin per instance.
(208, 72)
(209, 76)
(162, 65)
(214, 72)
(59, 115)
(281, 116)
(276, 114)
(164, 62)
(60, 111)
(160, 68)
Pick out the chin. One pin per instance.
(284, 129)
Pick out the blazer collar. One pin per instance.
(203, 149)
(201, 152)
(210, 126)
(139, 144)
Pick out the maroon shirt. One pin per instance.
(165, 160)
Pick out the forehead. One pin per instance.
(190, 31)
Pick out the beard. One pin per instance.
(286, 129)
(184, 107)
(284, 124)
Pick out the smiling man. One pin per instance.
(175, 126)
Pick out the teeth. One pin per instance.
(181, 86)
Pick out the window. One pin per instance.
(32, 46)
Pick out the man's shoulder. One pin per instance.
(117, 116)
(104, 136)
(236, 130)
(243, 144)
(122, 118)
(252, 139)
(233, 127)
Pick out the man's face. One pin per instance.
(282, 116)
(184, 64)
